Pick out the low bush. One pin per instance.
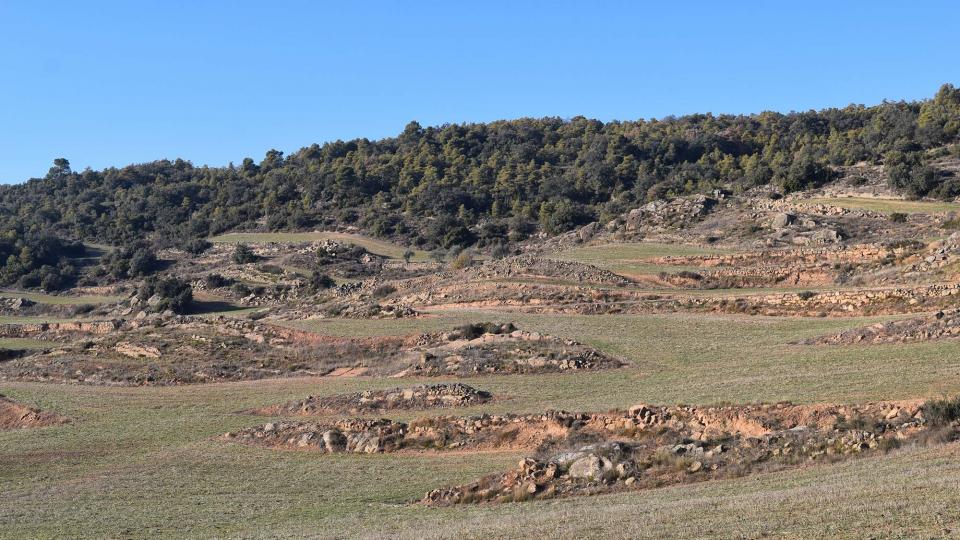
(166, 293)
(215, 281)
(383, 291)
(244, 255)
(197, 246)
(942, 411)
(463, 260)
(320, 281)
(271, 269)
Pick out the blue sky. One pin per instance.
(113, 83)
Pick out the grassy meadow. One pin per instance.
(145, 462)
(636, 258)
(41, 298)
(887, 206)
(378, 247)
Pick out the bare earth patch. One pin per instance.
(13, 415)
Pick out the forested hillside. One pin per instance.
(481, 183)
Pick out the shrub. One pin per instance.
(271, 269)
(82, 309)
(463, 260)
(475, 330)
(319, 281)
(171, 293)
(500, 251)
(858, 181)
(215, 281)
(135, 260)
(244, 255)
(951, 224)
(383, 291)
(142, 262)
(197, 246)
(241, 289)
(942, 411)
(458, 235)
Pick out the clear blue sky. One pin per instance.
(113, 83)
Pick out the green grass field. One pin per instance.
(10, 319)
(25, 343)
(379, 247)
(143, 462)
(41, 298)
(634, 259)
(887, 206)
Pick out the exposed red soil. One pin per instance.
(13, 415)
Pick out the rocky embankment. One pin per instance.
(655, 446)
(480, 432)
(940, 325)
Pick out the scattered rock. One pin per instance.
(782, 220)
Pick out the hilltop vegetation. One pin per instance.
(483, 184)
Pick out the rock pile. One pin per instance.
(509, 431)
(427, 396)
(533, 267)
(670, 445)
(15, 305)
(832, 303)
(352, 309)
(174, 350)
(504, 350)
(941, 254)
(676, 213)
(940, 325)
(783, 267)
(645, 446)
(54, 331)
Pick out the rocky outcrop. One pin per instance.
(676, 213)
